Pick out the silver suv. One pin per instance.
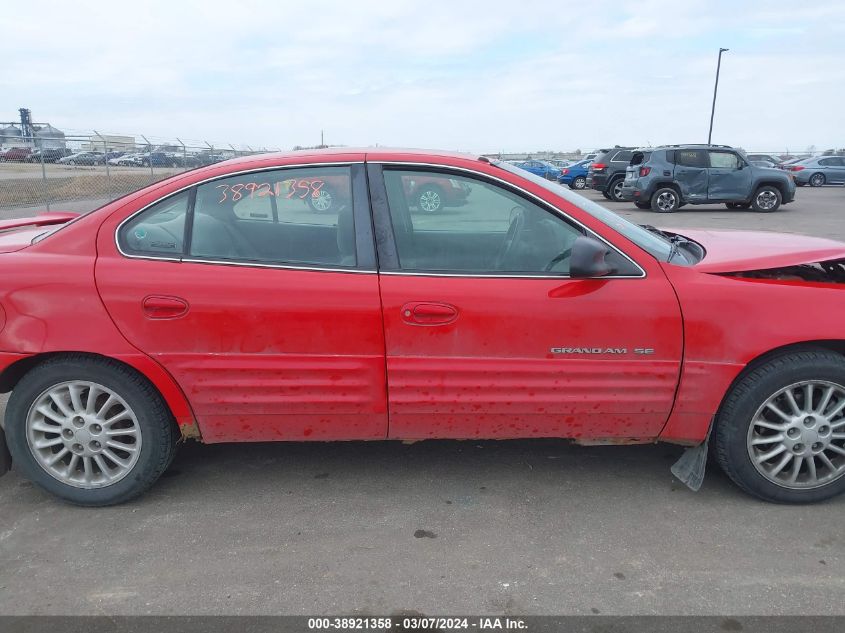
(666, 178)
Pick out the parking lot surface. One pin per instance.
(437, 527)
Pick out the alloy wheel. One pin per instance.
(323, 200)
(430, 200)
(666, 201)
(83, 434)
(767, 200)
(797, 437)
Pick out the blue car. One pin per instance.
(575, 175)
(540, 168)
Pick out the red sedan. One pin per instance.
(222, 305)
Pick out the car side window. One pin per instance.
(691, 158)
(623, 156)
(297, 216)
(158, 231)
(724, 160)
(828, 162)
(444, 222)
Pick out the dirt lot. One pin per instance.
(439, 527)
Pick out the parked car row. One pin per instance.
(65, 156)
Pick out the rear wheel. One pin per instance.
(780, 434)
(579, 182)
(615, 190)
(817, 180)
(429, 199)
(665, 200)
(90, 431)
(767, 199)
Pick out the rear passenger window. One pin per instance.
(623, 156)
(286, 216)
(159, 230)
(691, 158)
(723, 160)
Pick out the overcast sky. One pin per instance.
(477, 76)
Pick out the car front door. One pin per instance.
(488, 336)
(837, 169)
(691, 167)
(259, 296)
(729, 177)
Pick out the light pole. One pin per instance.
(715, 88)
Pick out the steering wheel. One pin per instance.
(564, 255)
(514, 229)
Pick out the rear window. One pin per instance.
(622, 156)
(640, 157)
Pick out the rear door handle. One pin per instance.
(428, 313)
(161, 307)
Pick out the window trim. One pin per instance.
(366, 263)
(382, 218)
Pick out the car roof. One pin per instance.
(371, 154)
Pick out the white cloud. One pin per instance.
(480, 76)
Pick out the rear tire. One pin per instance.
(817, 180)
(579, 182)
(665, 200)
(766, 199)
(740, 442)
(615, 190)
(74, 451)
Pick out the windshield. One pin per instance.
(650, 242)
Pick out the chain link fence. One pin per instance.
(82, 172)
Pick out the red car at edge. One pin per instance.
(222, 305)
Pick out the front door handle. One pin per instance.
(160, 307)
(428, 313)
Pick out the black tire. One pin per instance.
(643, 205)
(730, 435)
(737, 205)
(579, 182)
(665, 200)
(155, 422)
(765, 196)
(605, 194)
(429, 199)
(614, 190)
(817, 180)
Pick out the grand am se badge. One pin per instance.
(616, 351)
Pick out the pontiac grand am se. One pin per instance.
(223, 305)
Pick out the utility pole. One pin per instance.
(715, 89)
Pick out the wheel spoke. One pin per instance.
(796, 469)
(88, 469)
(826, 461)
(71, 466)
(101, 464)
(60, 403)
(837, 409)
(117, 417)
(766, 440)
(56, 458)
(119, 432)
(768, 425)
(48, 442)
(776, 410)
(781, 465)
(114, 458)
(811, 468)
(772, 453)
(129, 448)
(791, 400)
(836, 449)
(75, 392)
(110, 401)
(91, 401)
(828, 393)
(43, 427)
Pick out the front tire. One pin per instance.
(767, 199)
(90, 431)
(780, 433)
(579, 182)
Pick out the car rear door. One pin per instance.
(729, 177)
(487, 336)
(258, 293)
(691, 167)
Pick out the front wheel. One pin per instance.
(780, 434)
(579, 182)
(767, 199)
(90, 431)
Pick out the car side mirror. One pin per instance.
(741, 165)
(589, 258)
